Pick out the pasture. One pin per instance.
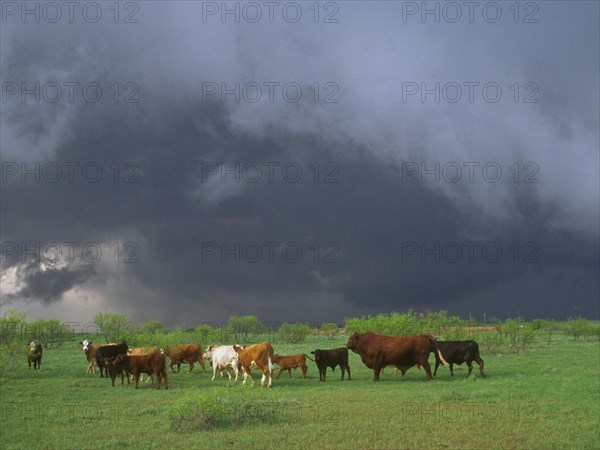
(545, 397)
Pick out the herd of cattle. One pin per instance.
(376, 352)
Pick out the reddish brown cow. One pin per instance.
(291, 362)
(141, 351)
(257, 355)
(189, 353)
(154, 364)
(377, 351)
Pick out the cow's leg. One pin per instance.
(178, 367)
(201, 361)
(437, 364)
(137, 378)
(304, 369)
(348, 370)
(451, 370)
(480, 364)
(376, 373)
(214, 372)
(290, 372)
(470, 365)
(158, 379)
(191, 366)
(263, 378)
(237, 371)
(164, 374)
(270, 375)
(427, 368)
(281, 369)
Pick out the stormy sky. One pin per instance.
(188, 161)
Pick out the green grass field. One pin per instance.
(548, 397)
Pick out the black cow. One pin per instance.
(109, 351)
(458, 352)
(331, 358)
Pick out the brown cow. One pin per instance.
(291, 362)
(156, 363)
(189, 353)
(141, 351)
(34, 355)
(377, 351)
(257, 355)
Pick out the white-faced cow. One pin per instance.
(222, 358)
(257, 355)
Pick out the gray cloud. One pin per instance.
(370, 135)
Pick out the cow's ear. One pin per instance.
(80, 343)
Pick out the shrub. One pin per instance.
(576, 327)
(293, 332)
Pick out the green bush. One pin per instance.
(293, 332)
(576, 327)
(115, 327)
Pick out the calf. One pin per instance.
(109, 351)
(331, 358)
(34, 355)
(291, 362)
(114, 371)
(458, 352)
(189, 353)
(156, 364)
(141, 351)
(259, 355)
(222, 358)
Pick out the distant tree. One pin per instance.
(576, 327)
(13, 339)
(52, 333)
(153, 327)
(245, 328)
(114, 327)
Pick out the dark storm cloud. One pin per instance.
(370, 218)
(48, 283)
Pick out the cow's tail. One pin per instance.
(309, 357)
(270, 360)
(432, 339)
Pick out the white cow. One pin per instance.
(222, 357)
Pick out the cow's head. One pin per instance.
(353, 341)
(208, 353)
(86, 345)
(116, 360)
(239, 348)
(317, 354)
(35, 346)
